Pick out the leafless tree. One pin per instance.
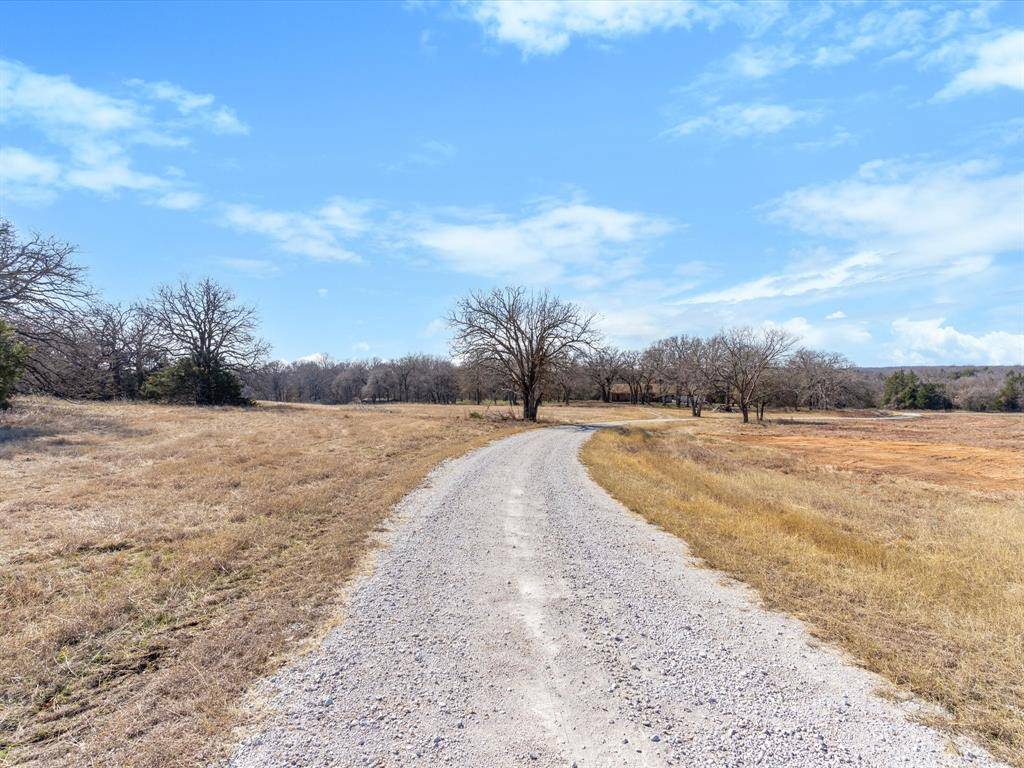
(819, 379)
(204, 322)
(692, 366)
(111, 325)
(38, 278)
(521, 334)
(745, 358)
(348, 384)
(475, 381)
(636, 374)
(604, 366)
(43, 296)
(569, 378)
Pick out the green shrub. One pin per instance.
(185, 382)
(903, 389)
(1011, 396)
(13, 357)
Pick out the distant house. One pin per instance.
(620, 393)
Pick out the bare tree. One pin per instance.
(43, 297)
(569, 379)
(636, 373)
(604, 367)
(521, 334)
(746, 356)
(204, 322)
(38, 277)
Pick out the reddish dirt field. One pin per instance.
(975, 451)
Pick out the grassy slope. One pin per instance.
(921, 581)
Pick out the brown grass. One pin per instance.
(155, 560)
(902, 542)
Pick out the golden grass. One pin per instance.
(155, 560)
(921, 581)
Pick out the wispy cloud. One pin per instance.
(998, 62)
(320, 234)
(545, 28)
(543, 243)
(828, 35)
(29, 177)
(199, 107)
(824, 337)
(742, 120)
(923, 212)
(852, 270)
(902, 220)
(182, 200)
(94, 137)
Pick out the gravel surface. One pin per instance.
(520, 616)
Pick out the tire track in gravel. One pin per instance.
(520, 616)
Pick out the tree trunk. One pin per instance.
(529, 407)
(745, 409)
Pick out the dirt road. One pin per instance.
(520, 616)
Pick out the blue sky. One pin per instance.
(852, 172)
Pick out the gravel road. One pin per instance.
(520, 616)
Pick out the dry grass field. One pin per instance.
(154, 560)
(902, 541)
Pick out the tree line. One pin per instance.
(541, 347)
(195, 342)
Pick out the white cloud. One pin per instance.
(316, 357)
(925, 214)
(199, 107)
(905, 223)
(832, 336)
(186, 101)
(759, 61)
(182, 200)
(361, 346)
(543, 244)
(923, 341)
(997, 62)
(548, 26)
(322, 293)
(837, 315)
(436, 327)
(317, 234)
(97, 134)
(840, 137)
(820, 36)
(25, 176)
(57, 102)
(853, 270)
(111, 176)
(739, 120)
